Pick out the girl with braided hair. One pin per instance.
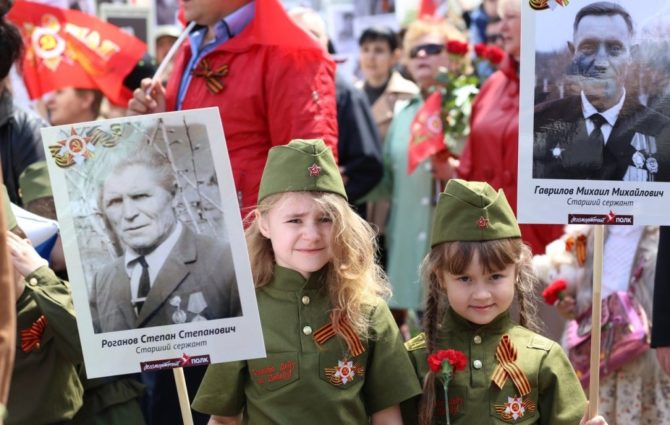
(477, 267)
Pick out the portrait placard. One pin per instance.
(136, 20)
(594, 126)
(154, 242)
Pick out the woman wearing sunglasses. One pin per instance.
(412, 196)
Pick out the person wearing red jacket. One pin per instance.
(271, 82)
(491, 151)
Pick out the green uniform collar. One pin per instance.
(289, 280)
(454, 323)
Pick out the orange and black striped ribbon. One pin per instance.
(31, 337)
(506, 355)
(212, 76)
(327, 331)
(579, 246)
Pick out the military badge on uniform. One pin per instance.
(31, 338)
(179, 315)
(515, 408)
(314, 170)
(643, 158)
(557, 151)
(196, 305)
(344, 372)
(482, 223)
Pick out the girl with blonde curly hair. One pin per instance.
(332, 345)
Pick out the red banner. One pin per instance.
(427, 136)
(427, 8)
(68, 48)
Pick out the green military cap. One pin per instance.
(34, 182)
(472, 211)
(9, 214)
(302, 165)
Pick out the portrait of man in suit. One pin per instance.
(602, 132)
(167, 273)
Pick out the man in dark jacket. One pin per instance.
(20, 139)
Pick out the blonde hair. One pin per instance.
(427, 26)
(505, 5)
(454, 258)
(353, 279)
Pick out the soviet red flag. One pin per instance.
(427, 136)
(68, 48)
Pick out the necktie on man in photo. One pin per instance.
(145, 284)
(593, 149)
(585, 154)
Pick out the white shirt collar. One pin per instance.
(610, 115)
(156, 258)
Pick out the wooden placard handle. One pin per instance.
(182, 391)
(594, 371)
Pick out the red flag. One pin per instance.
(426, 135)
(68, 48)
(427, 8)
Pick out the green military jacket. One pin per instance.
(45, 387)
(110, 401)
(556, 396)
(302, 382)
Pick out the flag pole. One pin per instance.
(594, 371)
(179, 379)
(182, 392)
(173, 50)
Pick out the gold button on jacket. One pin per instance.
(556, 396)
(301, 382)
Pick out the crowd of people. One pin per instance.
(394, 297)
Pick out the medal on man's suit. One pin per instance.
(557, 151)
(179, 315)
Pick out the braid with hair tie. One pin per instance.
(431, 321)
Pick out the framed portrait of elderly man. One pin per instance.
(154, 242)
(594, 126)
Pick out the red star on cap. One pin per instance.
(314, 170)
(482, 223)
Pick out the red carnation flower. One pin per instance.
(446, 363)
(456, 359)
(456, 47)
(480, 50)
(494, 54)
(555, 291)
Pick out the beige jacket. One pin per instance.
(398, 88)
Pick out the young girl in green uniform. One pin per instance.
(334, 353)
(476, 267)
